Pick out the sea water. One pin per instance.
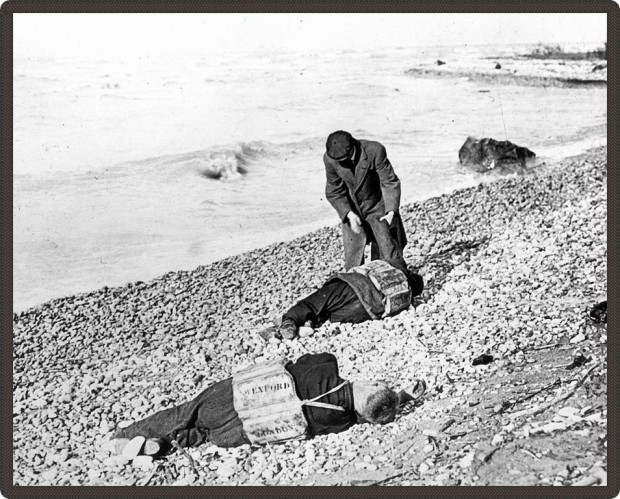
(126, 169)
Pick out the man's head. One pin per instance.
(416, 283)
(374, 402)
(340, 145)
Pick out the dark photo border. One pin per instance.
(280, 6)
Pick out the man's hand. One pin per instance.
(413, 392)
(355, 222)
(388, 217)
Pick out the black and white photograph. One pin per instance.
(309, 249)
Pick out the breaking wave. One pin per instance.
(216, 163)
(226, 163)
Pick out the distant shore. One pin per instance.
(508, 264)
(508, 79)
(551, 70)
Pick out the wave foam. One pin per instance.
(216, 163)
(225, 164)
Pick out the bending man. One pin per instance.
(365, 192)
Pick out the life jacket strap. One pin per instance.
(313, 403)
(325, 406)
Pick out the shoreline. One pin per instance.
(505, 271)
(508, 79)
(483, 178)
(520, 70)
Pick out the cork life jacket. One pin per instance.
(266, 401)
(391, 282)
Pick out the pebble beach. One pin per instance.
(510, 265)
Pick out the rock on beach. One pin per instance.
(509, 265)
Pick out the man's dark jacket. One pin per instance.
(371, 298)
(372, 190)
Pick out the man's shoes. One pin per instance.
(133, 447)
(288, 329)
(154, 447)
(138, 446)
(118, 444)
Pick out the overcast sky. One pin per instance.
(135, 34)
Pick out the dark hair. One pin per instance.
(416, 283)
(381, 406)
(339, 144)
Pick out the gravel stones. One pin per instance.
(304, 332)
(227, 469)
(143, 462)
(117, 445)
(83, 364)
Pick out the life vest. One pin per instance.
(264, 396)
(391, 282)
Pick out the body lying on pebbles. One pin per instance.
(86, 362)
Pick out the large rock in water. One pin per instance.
(487, 154)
